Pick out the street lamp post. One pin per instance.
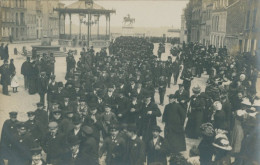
(89, 23)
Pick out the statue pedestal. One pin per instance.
(127, 31)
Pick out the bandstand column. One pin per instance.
(98, 27)
(106, 26)
(59, 24)
(88, 29)
(109, 26)
(64, 18)
(79, 27)
(90, 25)
(70, 25)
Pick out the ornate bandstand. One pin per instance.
(89, 14)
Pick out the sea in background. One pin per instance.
(152, 18)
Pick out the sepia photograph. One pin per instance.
(129, 82)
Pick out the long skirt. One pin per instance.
(237, 136)
(33, 86)
(193, 125)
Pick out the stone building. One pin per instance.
(205, 26)
(196, 20)
(13, 20)
(50, 18)
(251, 33)
(31, 18)
(227, 24)
(183, 33)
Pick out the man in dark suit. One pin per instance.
(150, 112)
(182, 96)
(25, 69)
(34, 127)
(162, 89)
(136, 147)
(42, 86)
(5, 77)
(187, 78)
(89, 149)
(115, 147)
(41, 116)
(53, 144)
(51, 89)
(21, 143)
(8, 131)
(157, 148)
(93, 120)
(174, 117)
(72, 157)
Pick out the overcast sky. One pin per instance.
(147, 13)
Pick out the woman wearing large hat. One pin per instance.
(195, 114)
(222, 150)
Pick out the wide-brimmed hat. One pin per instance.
(221, 141)
(207, 129)
(246, 101)
(241, 112)
(256, 103)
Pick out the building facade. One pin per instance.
(13, 20)
(50, 18)
(251, 33)
(196, 20)
(205, 26)
(183, 33)
(227, 24)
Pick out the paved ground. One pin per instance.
(22, 102)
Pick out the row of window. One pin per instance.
(12, 3)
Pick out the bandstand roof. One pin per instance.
(84, 6)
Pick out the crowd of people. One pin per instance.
(107, 107)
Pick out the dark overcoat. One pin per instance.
(174, 116)
(157, 155)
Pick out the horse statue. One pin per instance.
(128, 20)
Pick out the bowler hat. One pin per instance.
(196, 90)
(73, 140)
(157, 128)
(87, 130)
(76, 120)
(31, 113)
(132, 128)
(172, 96)
(113, 127)
(39, 104)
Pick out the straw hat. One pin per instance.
(221, 141)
